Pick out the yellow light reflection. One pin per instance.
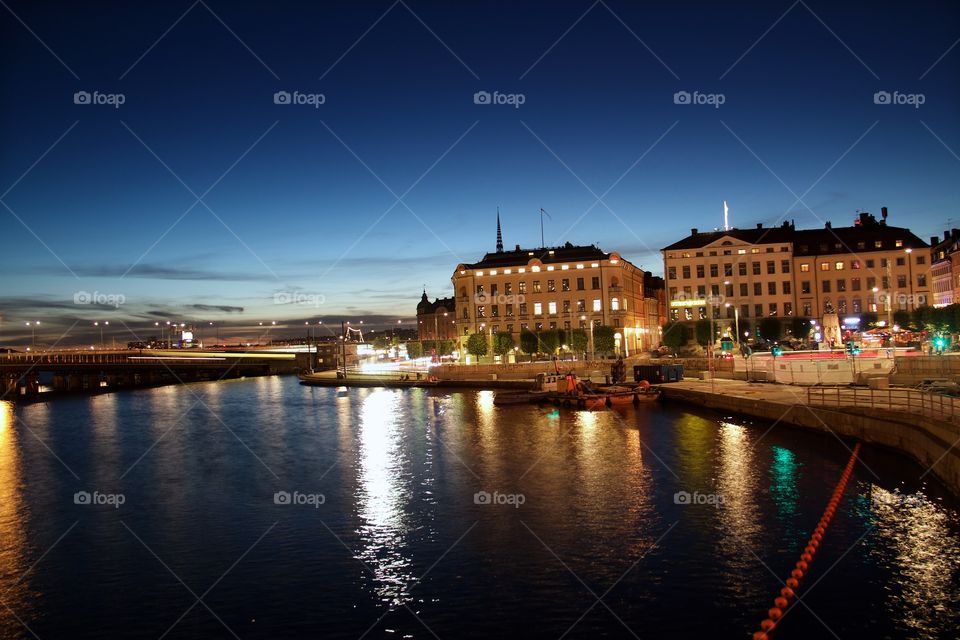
(382, 496)
(927, 558)
(13, 537)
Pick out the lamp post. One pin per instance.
(736, 321)
(33, 333)
(98, 324)
(910, 295)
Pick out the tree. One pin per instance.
(528, 342)
(770, 329)
(675, 335)
(446, 347)
(477, 345)
(381, 342)
(901, 317)
(702, 332)
(603, 340)
(414, 350)
(549, 341)
(502, 343)
(800, 327)
(868, 320)
(579, 341)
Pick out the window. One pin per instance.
(742, 268)
(870, 264)
(838, 266)
(493, 290)
(728, 291)
(495, 311)
(854, 264)
(771, 288)
(805, 286)
(883, 263)
(871, 282)
(566, 325)
(673, 293)
(741, 252)
(580, 284)
(597, 305)
(552, 308)
(902, 282)
(699, 270)
(686, 272)
(804, 267)
(714, 289)
(509, 328)
(728, 270)
(855, 284)
(565, 284)
(595, 282)
(771, 267)
(807, 309)
(824, 266)
(757, 289)
(758, 310)
(508, 288)
(785, 266)
(615, 304)
(786, 287)
(772, 309)
(479, 289)
(581, 305)
(856, 305)
(566, 306)
(536, 286)
(551, 286)
(745, 310)
(841, 285)
(826, 286)
(921, 260)
(523, 308)
(481, 311)
(465, 314)
(538, 308)
(788, 308)
(885, 282)
(509, 313)
(714, 271)
(743, 289)
(522, 286)
(673, 314)
(901, 261)
(701, 291)
(538, 326)
(898, 243)
(922, 280)
(756, 268)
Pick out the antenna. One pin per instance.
(542, 213)
(499, 235)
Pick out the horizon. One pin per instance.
(211, 162)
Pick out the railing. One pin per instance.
(905, 400)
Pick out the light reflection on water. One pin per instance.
(400, 469)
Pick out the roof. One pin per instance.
(547, 255)
(861, 237)
(427, 307)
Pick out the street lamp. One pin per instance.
(736, 320)
(97, 324)
(590, 343)
(33, 333)
(908, 251)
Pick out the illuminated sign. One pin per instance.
(688, 303)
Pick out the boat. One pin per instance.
(518, 397)
(582, 394)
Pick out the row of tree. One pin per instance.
(546, 342)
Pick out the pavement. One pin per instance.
(781, 393)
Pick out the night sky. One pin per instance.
(199, 199)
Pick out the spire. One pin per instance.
(499, 235)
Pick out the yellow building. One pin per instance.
(748, 274)
(566, 287)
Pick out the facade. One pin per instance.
(749, 274)
(944, 258)
(567, 287)
(436, 320)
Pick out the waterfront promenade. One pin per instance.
(924, 426)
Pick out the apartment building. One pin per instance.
(945, 258)
(784, 272)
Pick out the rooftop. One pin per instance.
(546, 255)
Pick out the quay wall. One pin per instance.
(928, 441)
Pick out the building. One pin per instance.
(436, 320)
(749, 274)
(944, 259)
(566, 287)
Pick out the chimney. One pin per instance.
(946, 236)
(693, 231)
(759, 225)
(828, 225)
(883, 214)
(934, 241)
(518, 247)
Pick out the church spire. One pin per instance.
(499, 235)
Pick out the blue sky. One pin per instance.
(349, 208)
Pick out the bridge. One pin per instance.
(27, 376)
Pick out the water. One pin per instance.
(589, 541)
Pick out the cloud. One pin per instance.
(163, 272)
(215, 307)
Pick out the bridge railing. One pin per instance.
(933, 405)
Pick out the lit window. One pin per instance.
(550, 267)
(479, 273)
(537, 308)
(824, 266)
(579, 266)
(522, 270)
(565, 267)
(552, 308)
(508, 271)
(741, 252)
(898, 243)
(493, 272)
(805, 267)
(838, 266)
(594, 264)
(535, 269)
(596, 305)
(615, 304)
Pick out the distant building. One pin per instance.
(944, 260)
(436, 320)
(748, 274)
(566, 287)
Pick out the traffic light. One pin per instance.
(939, 344)
(852, 348)
(776, 351)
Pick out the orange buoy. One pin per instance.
(806, 557)
(787, 593)
(768, 625)
(761, 635)
(781, 603)
(802, 564)
(793, 583)
(810, 549)
(796, 574)
(774, 613)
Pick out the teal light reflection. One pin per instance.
(784, 492)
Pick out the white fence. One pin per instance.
(903, 400)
